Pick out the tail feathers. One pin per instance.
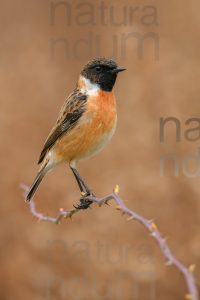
(35, 185)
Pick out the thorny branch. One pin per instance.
(148, 224)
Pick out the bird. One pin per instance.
(85, 124)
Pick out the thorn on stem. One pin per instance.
(192, 268)
(153, 234)
(154, 226)
(151, 221)
(106, 202)
(165, 239)
(116, 189)
(188, 297)
(118, 207)
(169, 263)
(130, 218)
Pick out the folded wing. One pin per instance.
(68, 117)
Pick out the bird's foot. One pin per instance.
(84, 202)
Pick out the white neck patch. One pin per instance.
(89, 87)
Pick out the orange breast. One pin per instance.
(93, 130)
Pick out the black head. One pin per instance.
(103, 72)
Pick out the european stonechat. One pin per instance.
(86, 123)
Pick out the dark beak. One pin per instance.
(117, 70)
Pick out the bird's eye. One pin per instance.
(98, 69)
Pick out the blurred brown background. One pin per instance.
(98, 254)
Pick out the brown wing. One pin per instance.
(68, 117)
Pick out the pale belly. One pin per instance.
(92, 132)
(84, 141)
(100, 143)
